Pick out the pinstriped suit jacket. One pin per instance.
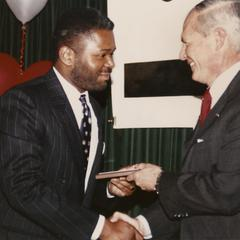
(42, 183)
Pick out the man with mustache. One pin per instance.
(52, 142)
(203, 200)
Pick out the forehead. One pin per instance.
(97, 39)
(189, 26)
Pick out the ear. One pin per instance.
(220, 37)
(66, 55)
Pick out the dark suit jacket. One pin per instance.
(42, 178)
(205, 198)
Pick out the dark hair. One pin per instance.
(76, 22)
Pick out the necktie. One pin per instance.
(85, 129)
(206, 106)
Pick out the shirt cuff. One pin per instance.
(109, 195)
(99, 227)
(144, 227)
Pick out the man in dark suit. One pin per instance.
(204, 199)
(52, 144)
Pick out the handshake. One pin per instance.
(120, 226)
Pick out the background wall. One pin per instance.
(147, 62)
(123, 146)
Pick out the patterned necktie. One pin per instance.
(85, 129)
(206, 106)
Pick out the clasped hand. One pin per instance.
(119, 230)
(145, 178)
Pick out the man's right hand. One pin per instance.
(119, 230)
(146, 177)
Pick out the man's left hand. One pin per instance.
(121, 187)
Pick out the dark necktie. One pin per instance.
(206, 106)
(85, 129)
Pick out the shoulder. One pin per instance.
(32, 88)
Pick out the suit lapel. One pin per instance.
(61, 108)
(215, 113)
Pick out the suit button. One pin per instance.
(62, 180)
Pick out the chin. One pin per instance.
(99, 87)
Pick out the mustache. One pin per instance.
(108, 70)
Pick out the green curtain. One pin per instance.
(163, 146)
(123, 146)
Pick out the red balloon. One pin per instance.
(10, 73)
(36, 69)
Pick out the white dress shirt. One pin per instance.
(73, 96)
(221, 83)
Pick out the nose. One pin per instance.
(110, 62)
(182, 53)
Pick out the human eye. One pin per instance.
(103, 55)
(100, 55)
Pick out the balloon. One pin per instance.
(25, 10)
(35, 70)
(10, 74)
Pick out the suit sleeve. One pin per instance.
(162, 227)
(22, 175)
(210, 185)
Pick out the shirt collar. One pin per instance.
(222, 81)
(69, 89)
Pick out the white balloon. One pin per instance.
(25, 10)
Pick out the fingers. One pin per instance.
(146, 178)
(138, 236)
(117, 216)
(124, 217)
(136, 166)
(129, 167)
(129, 232)
(120, 187)
(131, 177)
(122, 183)
(119, 230)
(121, 216)
(141, 167)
